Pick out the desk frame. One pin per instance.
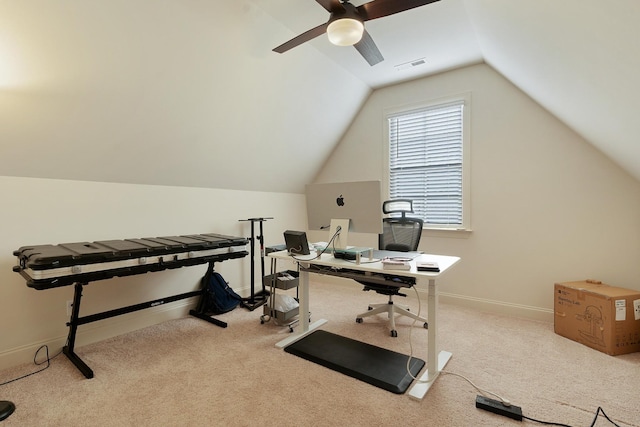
(436, 360)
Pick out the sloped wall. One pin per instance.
(183, 93)
(546, 206)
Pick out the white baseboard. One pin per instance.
(97, 331)
(498, 307)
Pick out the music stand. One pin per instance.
(261, 297)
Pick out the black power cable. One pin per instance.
(593, 423)
(35, 362)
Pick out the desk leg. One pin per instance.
(436, 361)
(303, 296)
(305, 327)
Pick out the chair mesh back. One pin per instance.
(400, 234)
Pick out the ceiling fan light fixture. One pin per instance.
(345, 31)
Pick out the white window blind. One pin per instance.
(425, 162)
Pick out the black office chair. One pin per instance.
(398, 234)
(6, 409)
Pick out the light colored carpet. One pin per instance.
(187, 372)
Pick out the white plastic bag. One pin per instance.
(284, 303)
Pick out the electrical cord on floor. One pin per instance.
(35, 361)
(507, 404)
(480, 390)
(593, 423)
(595, 418)
(484, 392)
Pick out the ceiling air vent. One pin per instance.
(411, 64)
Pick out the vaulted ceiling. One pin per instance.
(189, 93)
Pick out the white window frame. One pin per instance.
(465, 98)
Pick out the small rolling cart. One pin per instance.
(278, 307)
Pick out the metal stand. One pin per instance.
(76, 320)
(259, 298)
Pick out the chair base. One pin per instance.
(392, 310)
(6, 409)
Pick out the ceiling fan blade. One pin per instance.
(380, 8)
(331, 5)
(304, 37)
(368, 49)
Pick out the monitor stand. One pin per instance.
(339, 246)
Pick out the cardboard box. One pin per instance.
(603, 317)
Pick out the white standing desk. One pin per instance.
(436, 360)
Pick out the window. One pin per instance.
(427, 163)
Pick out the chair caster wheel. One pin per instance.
(358, 319)
(394, 333)
(426, 325)
(290, 330)
(369, 308)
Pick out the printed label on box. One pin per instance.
(621, 310)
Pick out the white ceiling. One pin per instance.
(577, 58)
(189, 93)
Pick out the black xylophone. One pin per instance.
(51, 266)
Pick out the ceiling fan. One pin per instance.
(345, 26)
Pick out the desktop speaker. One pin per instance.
(296, 242)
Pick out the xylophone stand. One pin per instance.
(76, 320)
(73, 324)
(260, 298)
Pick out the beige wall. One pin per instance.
(42, 211)
(545, 205)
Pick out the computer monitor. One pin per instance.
(358, 202)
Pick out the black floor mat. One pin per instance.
(374, 365)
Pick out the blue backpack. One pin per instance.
(218, 296)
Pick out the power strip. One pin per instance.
(499, 408)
